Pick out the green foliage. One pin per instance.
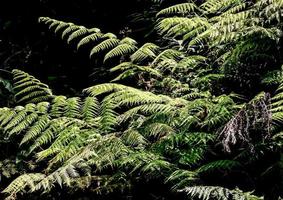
(181, 126)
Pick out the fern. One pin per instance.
(218, 165)
(167, 129)
(90, 38)
(126, 46)
(148, 50)
(29, 89)
(105, 45)
(184, 8)
(211, 192)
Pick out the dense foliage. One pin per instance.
(195, 112)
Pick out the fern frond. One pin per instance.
(90, 39)
(78, 33)
(133, 138)
(210, 192)
(148, 50)
(182, 178)
(39, 126)
(58, 106)
(90, 109)
(72, 109)
(29, 89)
(218, 165)
(158, 130)
(68, 31)
(105, 45)
(23, 182)
(104, 88)
(183, 9)
(120, 50)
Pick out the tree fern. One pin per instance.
(168, 129)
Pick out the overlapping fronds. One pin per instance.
(168, 130)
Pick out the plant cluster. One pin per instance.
(199, 115)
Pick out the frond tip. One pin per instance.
(29, 89)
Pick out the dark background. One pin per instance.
(27, 45)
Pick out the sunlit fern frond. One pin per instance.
(90, 109)
(73, 108)
(167, 55)
(212, 6)
(37, 128)
(29, 89)
(105, 45)
(182, 9)
(23, 183)
(81, 33)
(148, 50)
(126, 46)
(90, 39)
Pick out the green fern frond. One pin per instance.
(105, 88)
(29, 89)
(64, 138)
(62, 26)
(78, 33)
(108, 115)
(105, 45)
(38, 127)
(7, 115)
(24, 124)
(148, 50)
(158, 130)
(133, 138)
(167, 55)
(212, 6)
(18, 118)
(218, 165)
(129, 70)
(182, 178)
(73, 106)
(120, 50)
(22, 183)
(90, 109)
(68, 31)
(89, 39)
(183, 9)
(48, 135)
